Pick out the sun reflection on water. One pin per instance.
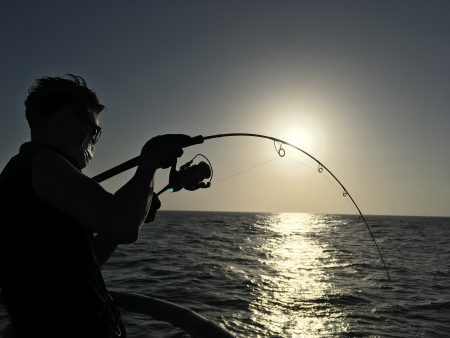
(291, 298)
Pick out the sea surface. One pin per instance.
(290, 275)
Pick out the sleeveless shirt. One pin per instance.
(49, 276)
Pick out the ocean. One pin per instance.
(290, 275)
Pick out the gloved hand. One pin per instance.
(156, 204)
(166, 149)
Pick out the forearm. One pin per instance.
(103, 247)
(132, 201)
(135, 199)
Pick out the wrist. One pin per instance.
(149, 161)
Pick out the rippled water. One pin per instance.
(291, 275)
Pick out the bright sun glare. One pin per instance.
(306, 133)
(300, 137)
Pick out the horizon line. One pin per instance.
(299, 212)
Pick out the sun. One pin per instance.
(300, 137)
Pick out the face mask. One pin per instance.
(83, 153)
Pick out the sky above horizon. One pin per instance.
(361, 85)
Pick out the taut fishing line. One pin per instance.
(333, 183)
(201, 171)
(245, 170)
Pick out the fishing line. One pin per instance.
(332, 183)
(335, 186)
(245, 170)
(278, 144)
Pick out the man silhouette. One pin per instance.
(58, 225)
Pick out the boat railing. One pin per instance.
(187, 320)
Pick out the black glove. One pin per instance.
(156, 204)
(167, 148)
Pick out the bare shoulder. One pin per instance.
(46, 158)
(56, 181)
(50, 168)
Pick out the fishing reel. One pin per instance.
(190, 176)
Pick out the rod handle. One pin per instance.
(135, 161)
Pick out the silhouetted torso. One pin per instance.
(50, 280)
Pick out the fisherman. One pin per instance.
(58, 225)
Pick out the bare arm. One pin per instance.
(117, 217)
(104, 247)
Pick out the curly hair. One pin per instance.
(49, 94)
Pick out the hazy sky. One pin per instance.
(361, 85)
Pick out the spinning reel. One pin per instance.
(190, 176)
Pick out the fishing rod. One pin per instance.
(278, 143)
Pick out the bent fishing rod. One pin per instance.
(278, 143)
